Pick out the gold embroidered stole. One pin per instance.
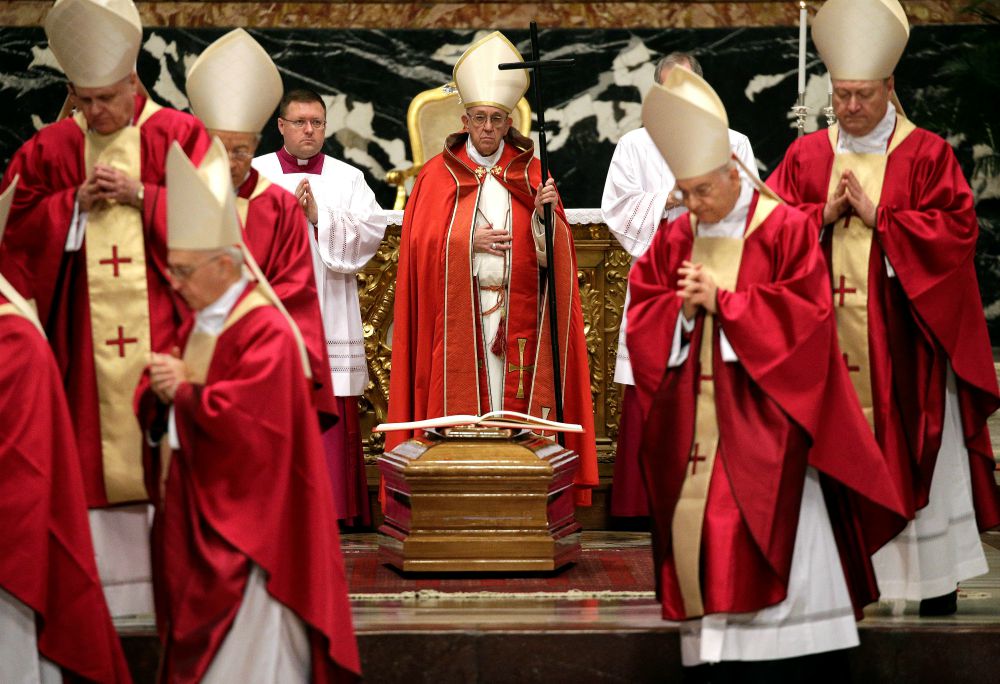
(119, 308)
(198, 353)
(243, 203)
(850, 252)
(720, 258)
(19, 305)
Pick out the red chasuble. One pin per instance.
(785, 405)
(51, 166)
(248, 484)
(275, 231)
(437, 365)
(46, 556)
(929, 315)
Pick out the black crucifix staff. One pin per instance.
(536, 65)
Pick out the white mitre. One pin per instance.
(96, 42)
(688, 123)
(480, 83)
(234, 85)
(201, 205)
(860, 40)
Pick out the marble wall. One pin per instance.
(369, 59)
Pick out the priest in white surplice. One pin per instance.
(346, 228)
(637, 196)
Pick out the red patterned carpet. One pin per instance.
(619, 564)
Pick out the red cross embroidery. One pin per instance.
(843, 290)
(114, 260)
(121, 341)
(694, 458)
(850, 368)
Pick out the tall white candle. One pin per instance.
(829, 84)
(802, 47)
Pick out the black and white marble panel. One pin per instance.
(368, 78)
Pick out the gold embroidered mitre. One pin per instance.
(96, 42)
(688, 123)
(481, 84)
(234, 85)
(860, 40)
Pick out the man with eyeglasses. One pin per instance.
(899, 228)
(86, 240)
(251, 584)
(471, 322)
(763, 477)
(346, 226)
(234, 88)
(637, 197)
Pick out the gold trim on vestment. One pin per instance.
(19, 304)
(243, 203)
(850, 253)
(119, 309)
(720, 258)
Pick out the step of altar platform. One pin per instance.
(597, 621)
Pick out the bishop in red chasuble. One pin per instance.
(899, 232)
(52, 611)
(87, 242)
(756, 456)
(234, 88)
(251, 583)
(471, 326)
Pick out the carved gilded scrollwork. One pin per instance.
(602, 271)
(616, 267)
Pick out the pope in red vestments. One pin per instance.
(245, 494)
(471, 326)
(46, 556)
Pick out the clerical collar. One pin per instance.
(876, 141)
(487, 162)
(212, 318)
(292, 164)
(735, 222)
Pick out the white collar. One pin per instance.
(735, 222)
(300, 162)
(490, 161)
(876, 141)
(211, 319)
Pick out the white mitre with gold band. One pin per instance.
(96, 42)
(688, 123)
(201, 215)
(481, 84)
(860, 40)
(234, 85)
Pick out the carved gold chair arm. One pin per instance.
(398, 177)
